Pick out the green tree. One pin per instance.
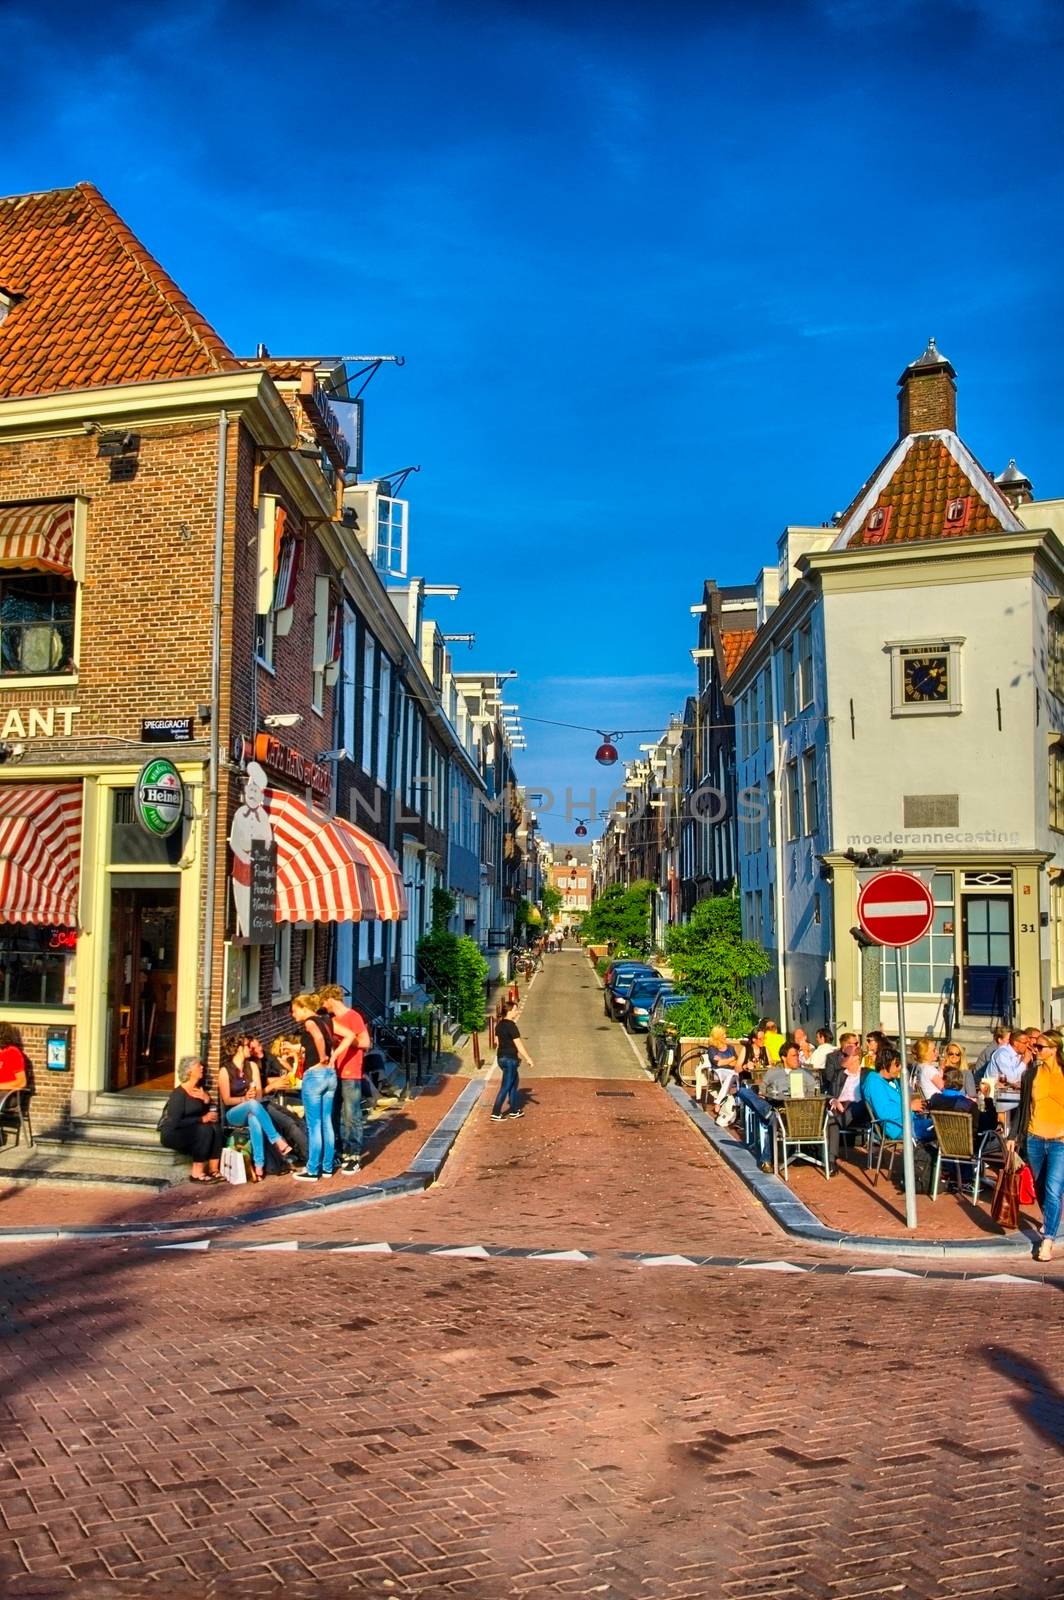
(454, 970)
(550, 901)
(620, 917)
(713, 963)
(444, 906)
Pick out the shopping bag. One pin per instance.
(1004, 1208)
(232, 1165)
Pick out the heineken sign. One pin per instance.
(159, 798)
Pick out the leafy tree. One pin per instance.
(453, 969)
(550, 902)
(621, 918)
(444, 906)
(712, 963)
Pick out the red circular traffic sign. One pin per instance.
(895, 908)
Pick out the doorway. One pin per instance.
(987, 956)
(142, 989)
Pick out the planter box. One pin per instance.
(596, 952)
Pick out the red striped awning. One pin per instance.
(38, 536)
(40, 853)
(323, 874)
(388, 888)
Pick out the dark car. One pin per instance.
(661, 1036)
(641, 997)
(616, 973)
(617, 993)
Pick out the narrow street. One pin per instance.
(330, 1421)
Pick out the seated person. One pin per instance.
(1009, 1061)
(846, 1107)
(779, 1084)
(823, 1049)
(275, 1070)
(756, 1053)
(189, 1123)
(929, 1078)
(12, 1060)
(720, 1058)
(882, 1095)
(240, 1091)
(805, 1049)
(954, 1097)
(773, 1039)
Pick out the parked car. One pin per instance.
(641, 997)
(619, 972)
(617, 993)
(661, 1035)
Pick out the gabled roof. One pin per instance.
(92, 307)
(930, 486)
(735, 645)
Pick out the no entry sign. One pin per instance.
(895, 908)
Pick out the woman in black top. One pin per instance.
(189, 1123)
(510, 1052)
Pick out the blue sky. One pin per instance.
(655, 270)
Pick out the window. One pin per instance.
(811, 794)
(1056, 925)
(771, 800)
(282, 962)
(36, 624)
(369, 725)
(1056, 786)
(928, 967)
(250, 959)
(383, 719)
(390, 557)
(877, 525)
(264, 638)
(794, 802)
(786, 660)
(958, 513)
(926, 677)
(36, 965)
(1055, 664)
(310, 954)
(804, 650)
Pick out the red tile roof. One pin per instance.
(929, 495)
(92, 307)
(735, 647)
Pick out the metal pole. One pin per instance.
(908, 1166)
(871, 965)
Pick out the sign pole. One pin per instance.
(908, 1164)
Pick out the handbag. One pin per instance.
(1004, 1208)
(231, 1165)
(1027, 1194)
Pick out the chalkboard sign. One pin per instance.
(262, 911)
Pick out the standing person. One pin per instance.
(511, 1052)
(1040, 1128)
(319, 1090)
(351, 1033)
(240, 1091)
(189, 1123)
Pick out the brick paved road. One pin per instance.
(321, 1424)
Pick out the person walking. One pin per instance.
(1040, 1132)
(319, 1090)
(511, 1052)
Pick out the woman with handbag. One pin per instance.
(319, 1088)
(1040, 1132)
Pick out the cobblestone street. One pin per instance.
(325, 1422)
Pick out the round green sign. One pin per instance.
(159, 797)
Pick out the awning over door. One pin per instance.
(40, 853)
(323, 874)
(388, 888)
(38, 536)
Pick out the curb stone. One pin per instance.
(422, 1172)
(795, 1217)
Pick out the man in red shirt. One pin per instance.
(12, 1060)
(351, 1033)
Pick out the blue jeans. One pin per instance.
(351, 1116)
(252, 1115)
(319, 1092)
(762, 1121)
(1045, 1157)
(509, 1086)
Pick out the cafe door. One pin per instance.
(987, 956)
(142, 988)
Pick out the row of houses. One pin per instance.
(237, 756)
(889, 688)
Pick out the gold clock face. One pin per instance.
(926, 679)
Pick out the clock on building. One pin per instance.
(926, 678)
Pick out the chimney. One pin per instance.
(927, 394)
(1015, 485)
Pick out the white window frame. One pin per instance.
(384, 551)
(810, 788)
(250, 956)
(282, 963)
(322, 608)
(804, 675)
(794, 801)
(900, 650)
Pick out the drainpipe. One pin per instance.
(780, 810)
(214, 760)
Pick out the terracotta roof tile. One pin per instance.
(929, 496)
(736, 645)
(93, 308)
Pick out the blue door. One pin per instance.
(988, 956)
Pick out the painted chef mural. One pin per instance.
(254, 863)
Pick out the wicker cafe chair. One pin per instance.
(800, 1123)
(955, 1138)
(878, 1142)
(15, 1112)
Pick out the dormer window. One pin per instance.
(957, 513)
(8, 298)
(877, 524)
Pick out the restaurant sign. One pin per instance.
(33, 722)
(159, 797)
(318, 410)
(287, 762)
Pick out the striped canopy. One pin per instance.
(38, 536)
(388, 891)
(322, 872)
(40, 853)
